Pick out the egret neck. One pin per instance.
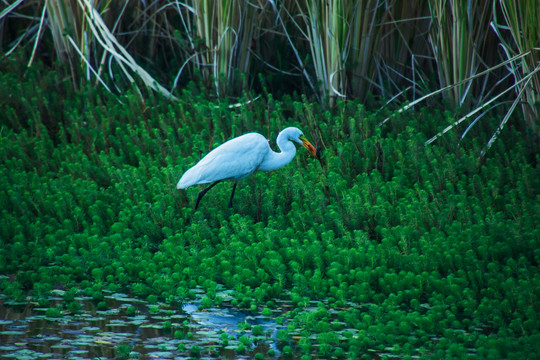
(275, 160)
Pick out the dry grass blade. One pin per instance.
(404, 47)
(10, 8)
(326, 30)
(413, 103)
(74, 44)
(520, 95)
(519, 33)
(65, 17)
(365, 35)
(122, 57)
(476, 110)
(41, 22)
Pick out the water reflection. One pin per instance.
(147, 331)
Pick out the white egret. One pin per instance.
(240, 157)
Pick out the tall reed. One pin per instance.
(519, 34)
(66, 21)
(458, 28)
(342, 38)
(406, 60)
(225, 32)
(341, 49)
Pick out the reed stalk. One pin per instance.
(342, 38)
(225, 32)
(66, 17)
(458, 29)
(406, 61)
(519, 34)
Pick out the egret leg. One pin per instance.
(232, 194)
(203, 192)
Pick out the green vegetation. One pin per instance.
(122, 352)
(54, 312)
(407, 249)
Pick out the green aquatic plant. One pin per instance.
(224, 337)
(123, 351)
(287, 351)
(206, 302)
(257, 330)
(195, 351)
(153, 309)
(266, 312)
(245, 340)
(391, 245)
(283, 336)
(74, 307)
(131, 310)
(305, 345)
(241, 348)
(54, 312)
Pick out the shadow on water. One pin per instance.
(131, 329)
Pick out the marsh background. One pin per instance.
(418, 237)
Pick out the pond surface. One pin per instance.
(131, 329)
(121, 327)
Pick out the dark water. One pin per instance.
(135, 329)
(131, 329)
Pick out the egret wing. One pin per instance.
(234, 159)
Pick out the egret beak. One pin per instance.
(308, 146)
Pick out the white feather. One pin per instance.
(235, 159)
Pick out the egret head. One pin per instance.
(296, 135)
